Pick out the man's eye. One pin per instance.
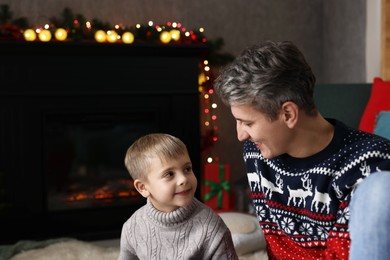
(245, 123)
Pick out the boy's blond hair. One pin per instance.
(160, 145)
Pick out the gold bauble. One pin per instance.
(128, 38)
(165, 37)
(100, 36)
(29, 35)
(61, 34)
(44, 35)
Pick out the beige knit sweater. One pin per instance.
(194, 232)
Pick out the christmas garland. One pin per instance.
(78, 28)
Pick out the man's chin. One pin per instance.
(266, 155)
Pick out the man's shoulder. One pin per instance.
(351, 138)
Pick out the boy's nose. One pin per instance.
(182, 179)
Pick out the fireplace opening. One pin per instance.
(84, 157)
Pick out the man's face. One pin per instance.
(272, 138)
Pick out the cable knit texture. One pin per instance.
(194, 232)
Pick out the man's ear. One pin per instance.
(139, 185)
(290, 113)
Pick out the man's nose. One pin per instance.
(242, 135)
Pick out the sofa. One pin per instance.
(364, 106)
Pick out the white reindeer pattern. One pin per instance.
(366, 170)
(271, 187)
(324, 198)
(300, 194)
(268, 186)
(253, 177)
(338, 191)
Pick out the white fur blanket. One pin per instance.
(70, 250)
(80, 250)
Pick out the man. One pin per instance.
(312, 178)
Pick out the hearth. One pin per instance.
(68, 112)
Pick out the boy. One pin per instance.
(173, 224)
(318, 186)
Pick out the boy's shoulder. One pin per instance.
(137, 215)
(207, 212)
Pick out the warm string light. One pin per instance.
(169, 33)
(209, 113)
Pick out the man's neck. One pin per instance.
(312, 136)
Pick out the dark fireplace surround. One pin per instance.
(68, 112)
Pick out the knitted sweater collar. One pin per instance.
(171, 218)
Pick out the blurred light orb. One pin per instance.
(112, 36)
(201, 78)
(29, 35)
(175, 34)
(44, 35)
(100, 36)
(128, 38)
(61, 34)
(165, 37)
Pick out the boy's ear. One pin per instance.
(290, 112)
(139, 185)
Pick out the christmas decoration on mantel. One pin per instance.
(76, 28)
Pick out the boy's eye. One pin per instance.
(168, 174)
(188, 169)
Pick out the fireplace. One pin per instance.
(68, 112)
(83, 158)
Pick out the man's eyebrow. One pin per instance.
(244, 122)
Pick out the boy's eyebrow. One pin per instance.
(188, 163)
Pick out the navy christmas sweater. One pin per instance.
(303, 204)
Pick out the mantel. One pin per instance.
(88, 48)
(69, 67)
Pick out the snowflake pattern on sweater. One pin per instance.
(303, 204)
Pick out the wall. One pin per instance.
(373, 39)
(331, 33)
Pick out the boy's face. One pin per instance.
(171, 183)
(271, 138)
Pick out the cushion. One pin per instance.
(382, 126)
(246, 232)
(379, 101)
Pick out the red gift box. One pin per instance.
(217, 192)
